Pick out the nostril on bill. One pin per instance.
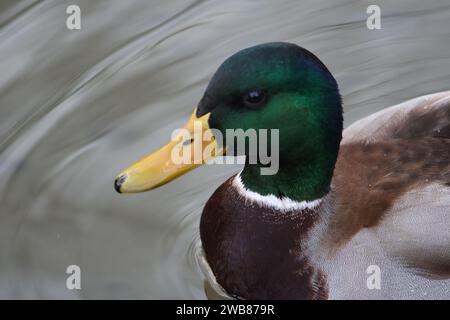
(188, 142)
(118, 183)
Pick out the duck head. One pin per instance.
(269, 86)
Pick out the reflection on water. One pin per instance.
(76, 107)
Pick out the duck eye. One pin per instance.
(255, 98)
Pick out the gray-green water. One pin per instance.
(76, 107)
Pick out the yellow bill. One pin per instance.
(190, 147)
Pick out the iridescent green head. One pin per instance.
(271, 86)
(281, 86)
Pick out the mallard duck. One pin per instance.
(354, 214)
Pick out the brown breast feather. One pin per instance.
(255, 251)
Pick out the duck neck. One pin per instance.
(298, 179)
